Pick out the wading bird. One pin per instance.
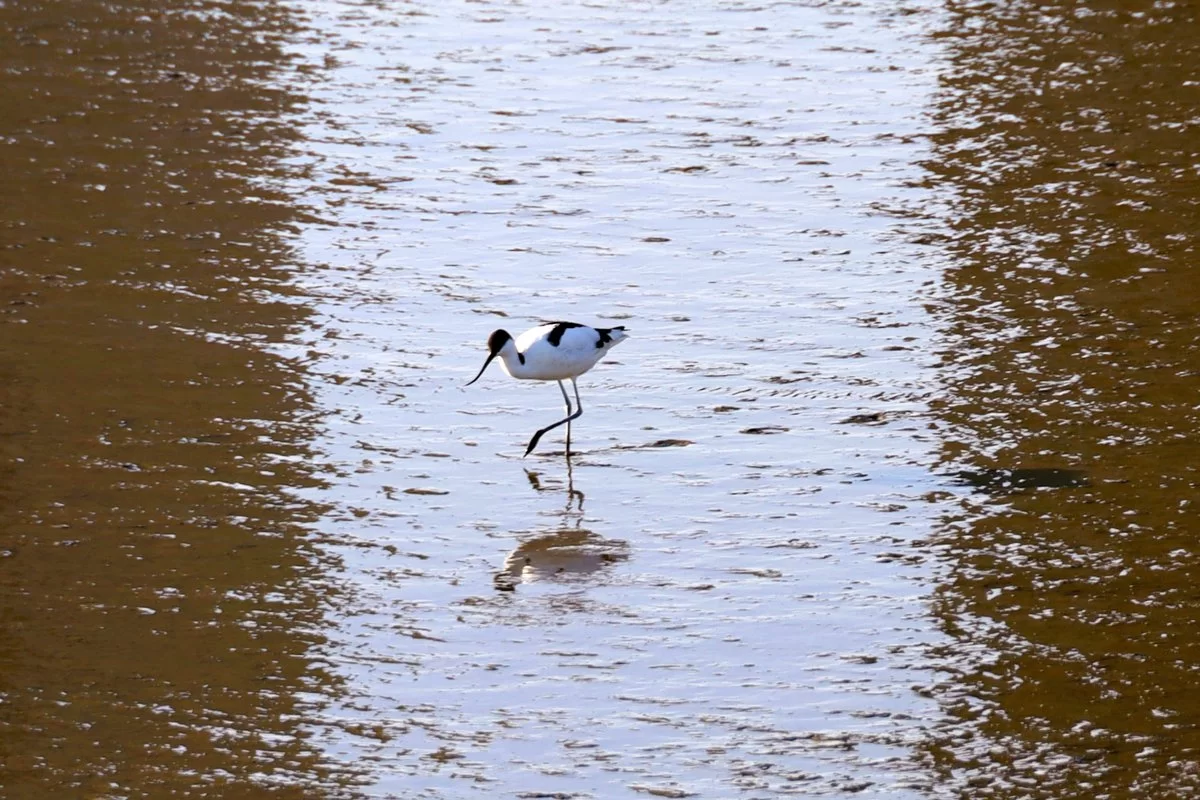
(555, 351)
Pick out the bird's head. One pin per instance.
(496, 343)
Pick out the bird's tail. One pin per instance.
(614, 335)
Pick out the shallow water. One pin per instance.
(718, 592)
(887, 495)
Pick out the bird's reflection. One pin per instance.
(574, 496)
(567, 553)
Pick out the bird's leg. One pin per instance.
(565, 421)
(579, 406)
(567, 400)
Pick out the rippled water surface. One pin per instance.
(718, 593)
(888, 494)
(1065, 153)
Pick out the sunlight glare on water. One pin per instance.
(719, 591)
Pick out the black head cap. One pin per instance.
(497, 341)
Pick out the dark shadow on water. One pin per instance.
(161, 621)
(1006, 481)
(1065, 155)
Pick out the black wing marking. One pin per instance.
(606, 335)
(556, 334)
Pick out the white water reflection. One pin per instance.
(745, 608)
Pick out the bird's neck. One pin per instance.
(514, 364)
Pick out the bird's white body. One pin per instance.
(555, 351)
(533, 355)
